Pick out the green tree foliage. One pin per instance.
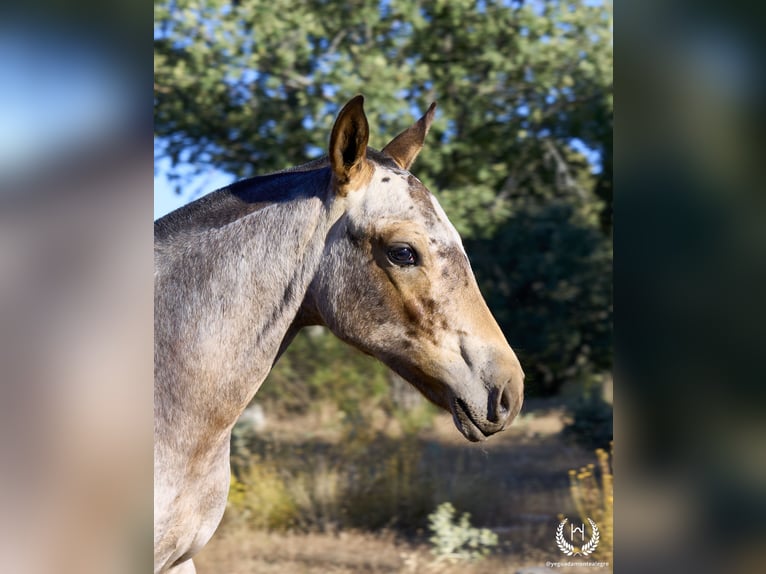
(524, 89)
(318, 367)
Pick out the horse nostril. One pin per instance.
(504, 406)
(500, 404)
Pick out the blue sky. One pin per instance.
(165, 197)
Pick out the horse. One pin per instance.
(351, 241)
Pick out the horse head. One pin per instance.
(396, 283)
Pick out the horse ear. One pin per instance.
(348, 147)
(405, 147)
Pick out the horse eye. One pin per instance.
(402, 255)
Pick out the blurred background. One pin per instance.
(75, 287)
(520, 156)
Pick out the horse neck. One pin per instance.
(226, 298)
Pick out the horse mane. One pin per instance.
(242, 198)
(239, 199)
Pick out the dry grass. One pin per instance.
(369, 515)
(345, 552)
(261, 552)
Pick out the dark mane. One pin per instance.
(241, 198)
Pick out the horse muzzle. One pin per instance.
(477, 423)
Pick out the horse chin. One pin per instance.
(465, 423)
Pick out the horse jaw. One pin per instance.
(482, 388)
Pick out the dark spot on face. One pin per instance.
(453, 259)
(413, 312)
(422, 198)
(430, 305)
(386, 179)
(355, 240)
(406, 343)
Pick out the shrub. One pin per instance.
(455, 541)
(594, 499)
(366, 480)
(387, 484)
(260, 498)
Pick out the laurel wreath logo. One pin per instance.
(569, 549)
(561, 542)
